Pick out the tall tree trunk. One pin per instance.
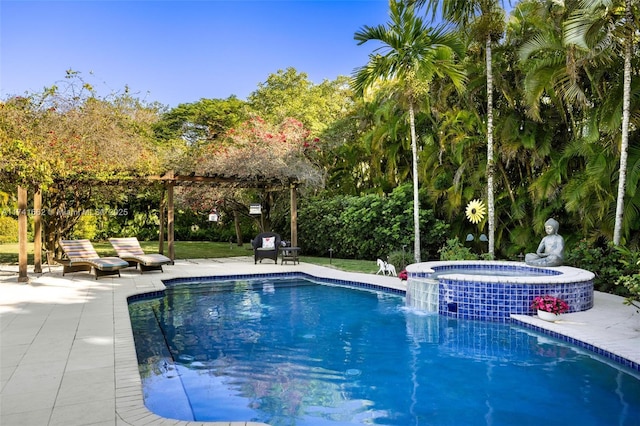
(416, 200)
(624, 143)
(490, 165)
(238, 228)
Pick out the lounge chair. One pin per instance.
(129, 249)
(81, 256)
(266, 246)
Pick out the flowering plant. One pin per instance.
(547, 303)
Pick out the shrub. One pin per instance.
(455, 250)
(607, 262)
(400, 259)
(631, 279)
(632, 284)
(85, 228)
(366, 227)
(8, 229)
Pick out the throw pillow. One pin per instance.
(269, 242)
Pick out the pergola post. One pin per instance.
(294, 216)
(22, 235)
(37, 232)
(170, 219)
(170, 180)
(163, 206)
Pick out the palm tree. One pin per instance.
(485, 20)
(389, 150)
(411, 55)
(624, 145)
(599, 24)
(574, 62)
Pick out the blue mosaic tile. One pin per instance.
(497, 301)
(602, 352)
(143, 296)
(213, 279)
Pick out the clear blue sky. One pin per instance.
(179, 51)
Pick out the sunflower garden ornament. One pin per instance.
(475, 211)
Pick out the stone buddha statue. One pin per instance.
(550, 250)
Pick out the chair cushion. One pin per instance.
(108, 263)
(78, 249)
(126, 246)
(101, 263)
(152, 259)
(269, 243)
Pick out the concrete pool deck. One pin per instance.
(67, 355)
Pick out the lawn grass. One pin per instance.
(198, 250)
(349, 265)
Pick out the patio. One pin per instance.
(67, 353)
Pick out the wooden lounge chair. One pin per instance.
(129, 249)
(81, 256)
(266, 246)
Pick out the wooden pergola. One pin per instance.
(170, 180)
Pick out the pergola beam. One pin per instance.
(170, 180)
(234, 180)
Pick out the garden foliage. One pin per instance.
(366, 227)
(607, 262)
(453, 249)
(8, 230)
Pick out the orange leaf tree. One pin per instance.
(257, 155)
(75, 146)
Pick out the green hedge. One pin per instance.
(8, 230)
(607, 262)
(367, 227)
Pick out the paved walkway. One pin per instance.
(67, 354)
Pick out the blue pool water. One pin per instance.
(293, 352)
(495, 272)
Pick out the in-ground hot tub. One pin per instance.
(493, 290)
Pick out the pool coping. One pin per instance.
(556, 274)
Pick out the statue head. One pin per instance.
(553, 223)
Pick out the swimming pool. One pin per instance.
(292, 351)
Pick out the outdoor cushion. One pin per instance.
(129, 249)
(81, 256)
(268, 243)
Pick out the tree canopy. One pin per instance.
(560, 72)
(68, 133)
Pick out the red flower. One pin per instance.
(551, 304)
